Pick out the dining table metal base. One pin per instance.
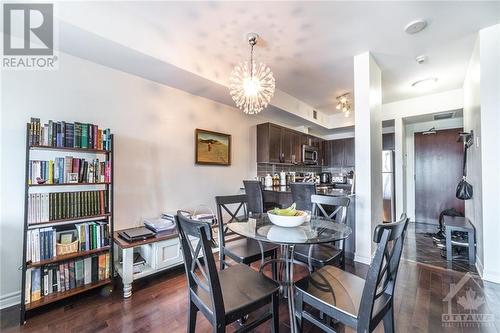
(289, 284)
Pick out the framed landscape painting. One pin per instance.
(212, 147)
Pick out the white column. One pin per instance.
(489, 46)
(399, 138)
(368, 154)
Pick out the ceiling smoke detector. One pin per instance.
(415, 26)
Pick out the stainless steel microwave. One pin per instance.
(309, 155)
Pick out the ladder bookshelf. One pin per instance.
(87, 203)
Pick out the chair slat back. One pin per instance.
(255, 198)
(233, 206)
(381, 278)
(340, 203)
(301, 194)
(192, 231)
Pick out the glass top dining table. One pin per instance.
(315, 231)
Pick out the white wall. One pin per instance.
(472, 121)
(368, 152)
(154, 145)
(428, 104)
(489, 55)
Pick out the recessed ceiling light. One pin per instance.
(425, 83)
(415, 26)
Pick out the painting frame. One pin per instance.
(207, 160)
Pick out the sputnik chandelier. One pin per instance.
(344, 104)
(251, 85)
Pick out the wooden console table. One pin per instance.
(160, 253)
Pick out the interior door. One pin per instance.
(438, 169)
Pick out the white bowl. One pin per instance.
(287, 221)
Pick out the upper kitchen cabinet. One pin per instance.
(277, 144)
(339, 153)
(269, 138)
(349, 152)
(388, 141)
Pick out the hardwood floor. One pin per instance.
(419, 247)
(159, 304)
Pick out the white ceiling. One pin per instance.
(308, 45)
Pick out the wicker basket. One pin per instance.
(62, 249)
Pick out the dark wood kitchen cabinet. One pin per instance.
(337, 153)
(349, 152)
(296, 146)
(277, 144)
(269, 139)
(340, 153)
(286, 145)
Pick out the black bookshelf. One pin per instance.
(107, 216)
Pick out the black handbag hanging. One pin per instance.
(464, 189)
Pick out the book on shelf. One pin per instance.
(41, 242)
(57, 171)
(70, 135)
(46, 207)
(54, 278)
(92, 235)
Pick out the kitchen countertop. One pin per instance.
(320, 190)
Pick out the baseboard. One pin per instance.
(479, 267)
(362, 259)
(491, 277)
(10, 299)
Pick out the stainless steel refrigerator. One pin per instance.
(389, 203)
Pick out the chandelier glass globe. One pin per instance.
(251, 84)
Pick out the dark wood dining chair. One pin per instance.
(255, 198)
(241, 250)
(225, 296)
(347, 298)
(319, 255)
(301, 195)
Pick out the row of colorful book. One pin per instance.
(40, 244)
(92, 235)
(64, 170)
(64, 276)
(65, 134)
(45, 207)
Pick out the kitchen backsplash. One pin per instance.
(268, 168)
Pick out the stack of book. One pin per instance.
(64, 276)
(92, 235)
(58, 171)
(159, 224)
(44, 207)
(64, 134)
(40, 244)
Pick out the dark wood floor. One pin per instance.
(158, 304)
(419, 247)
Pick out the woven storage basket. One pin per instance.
(62, 249)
